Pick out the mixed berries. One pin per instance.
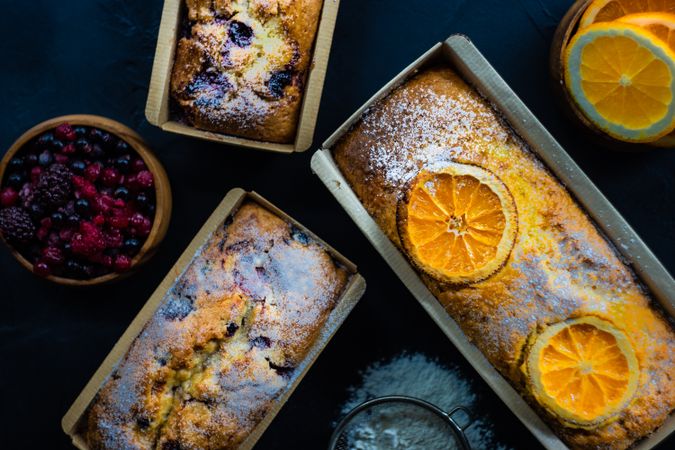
(77, 202)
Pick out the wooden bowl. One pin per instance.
(162, 190)
(566, 29)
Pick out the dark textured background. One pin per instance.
(95, 56)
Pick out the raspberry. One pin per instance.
(122, 263)
(42, 233)
(137, 220)
(92, 172)
(60, 159)
(110, 177)
(144, 179)
(89, 191)
(52, 256)
(103, 203)
(35, 174)
(113, 238)
(41, 269)
(145, 227)
(65, 132)
(8, 197)
(88, 241)
(69, 149)
(46, 222)
(138, 165)
(99, 220)
(119, 219)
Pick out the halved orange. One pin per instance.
(623, 79)
(583, 370)
(662, 25)
(609, 10)
(458, 223)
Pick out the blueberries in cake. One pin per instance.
(279, 81)
(178, 307)
(143, 422)
(240, 33)
(281, 370)
(171, 445)
(261, 342)
(231, 329)
(299, 236)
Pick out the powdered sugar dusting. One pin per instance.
(436, 126)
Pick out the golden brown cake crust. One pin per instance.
(560, 267)
(225, 342)
(242, 68)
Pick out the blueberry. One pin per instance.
(73, 267)
(279, 81)
(67, 247)
(122, 147)
(57, 145)
(122, 193)
(80, 131)
(97, 151)
(15, 163)
(132, 245)
(45, 158)
(123, 163)
(31, 159)
(81, 144)
(45, 140)
(96, 135)
(73, 220)
(58, 218)
(82, 206)
(78, 166)
(15, 180)
(142, 200)
(36, 211)
(240, 33)
(108, 140)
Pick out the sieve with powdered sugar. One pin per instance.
(397, 422)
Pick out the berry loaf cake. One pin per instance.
(514, 260)
(241, 66)
(225, 342)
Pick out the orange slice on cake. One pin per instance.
(458, 223)
(583, 370)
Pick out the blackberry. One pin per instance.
(16, 225)
(54, 187)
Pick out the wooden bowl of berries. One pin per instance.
(83, 200)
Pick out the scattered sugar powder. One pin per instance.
(387, 427)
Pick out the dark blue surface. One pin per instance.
(95, 56)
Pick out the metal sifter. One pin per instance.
(400, 422)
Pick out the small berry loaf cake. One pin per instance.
(225, 342)
(240, 69)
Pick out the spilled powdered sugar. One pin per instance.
(393, 427)
(436, 125)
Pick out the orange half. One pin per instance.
(609, 10)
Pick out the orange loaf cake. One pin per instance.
(225, 342)
(240, 67)
(514, 260)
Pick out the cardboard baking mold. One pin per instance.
(72, 423)
(459, 53)
(158, 111)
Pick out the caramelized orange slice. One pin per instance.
(458, 224)
(583, 370)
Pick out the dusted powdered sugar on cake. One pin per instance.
(560, 266)
(241, 68)
(429, 129)
(229, 338)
